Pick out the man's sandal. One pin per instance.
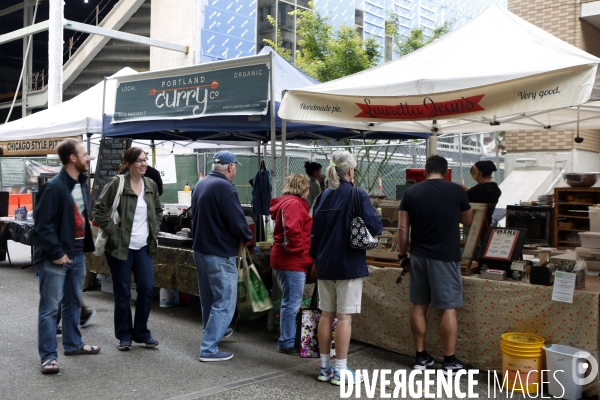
(83, 351)
(49, 367)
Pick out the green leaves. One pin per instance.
(327, 53)
(407, 44)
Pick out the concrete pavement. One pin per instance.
(171, 371)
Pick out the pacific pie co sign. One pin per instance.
(232, 91)
(35, 147)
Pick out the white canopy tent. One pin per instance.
(497, 72)
(78, 116)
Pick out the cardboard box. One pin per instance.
(389, 213)
(493, 274)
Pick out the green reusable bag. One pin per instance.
(253, 299)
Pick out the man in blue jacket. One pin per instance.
(219, 227)
(62, 234)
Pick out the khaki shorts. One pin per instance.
(342, 296)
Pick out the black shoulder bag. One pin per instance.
(360, 237)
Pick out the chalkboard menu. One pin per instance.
(110, 158)
(13, 172)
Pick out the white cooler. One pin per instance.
(594, 213)
(590, 239)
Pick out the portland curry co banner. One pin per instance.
(233, 91)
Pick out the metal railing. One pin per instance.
(39, 79)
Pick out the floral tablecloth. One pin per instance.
(491, 308)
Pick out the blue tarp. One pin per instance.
(239, 127)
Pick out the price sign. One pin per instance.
(518, 266)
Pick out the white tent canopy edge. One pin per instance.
(497, 72)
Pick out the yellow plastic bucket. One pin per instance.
(513, 347)
(523, 360)
(524, 340)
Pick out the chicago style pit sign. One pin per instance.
(232, 91)
(32, 147)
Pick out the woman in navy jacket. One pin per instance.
(340, 268)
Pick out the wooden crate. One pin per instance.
(383, 259)
(469, 270)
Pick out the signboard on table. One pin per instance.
(241, 90)
(33, 147)
(110, 158)
(13, 172)
(501, 247)
(165, 165)
(501, 244)
(564, 286)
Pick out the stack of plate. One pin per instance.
(546, 200)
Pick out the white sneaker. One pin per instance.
(325, 374)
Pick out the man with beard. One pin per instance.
(62, 234)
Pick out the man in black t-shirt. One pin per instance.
(433, 210)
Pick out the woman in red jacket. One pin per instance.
(289, 255)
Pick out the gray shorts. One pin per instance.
(435, 282)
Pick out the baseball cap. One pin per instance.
(225, 157)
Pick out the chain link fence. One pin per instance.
(378, 164)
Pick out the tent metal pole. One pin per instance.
(283, 160)
(259, 156)
(153, 147)
(433, 138)
(89, 147)
(497, 154)
(462, 179)
(102, 118)
(273, 128)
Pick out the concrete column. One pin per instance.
(175, 21)
(55, 49)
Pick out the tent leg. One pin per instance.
(153, 146)
(283, 143)
(89, 147)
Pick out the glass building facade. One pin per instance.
(235, 28)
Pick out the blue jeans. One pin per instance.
(141, 264)
(217, 282)
(56, 283)
(292, 286)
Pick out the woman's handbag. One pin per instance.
(307, 329)
(102, 237)
(360, 237)
(252, 297)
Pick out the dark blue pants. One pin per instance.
(141, 264)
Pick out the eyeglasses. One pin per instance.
(144, 161)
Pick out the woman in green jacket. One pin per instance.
(131, 246)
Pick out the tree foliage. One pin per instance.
(404, 45)
(279, 49)
(327, 53)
